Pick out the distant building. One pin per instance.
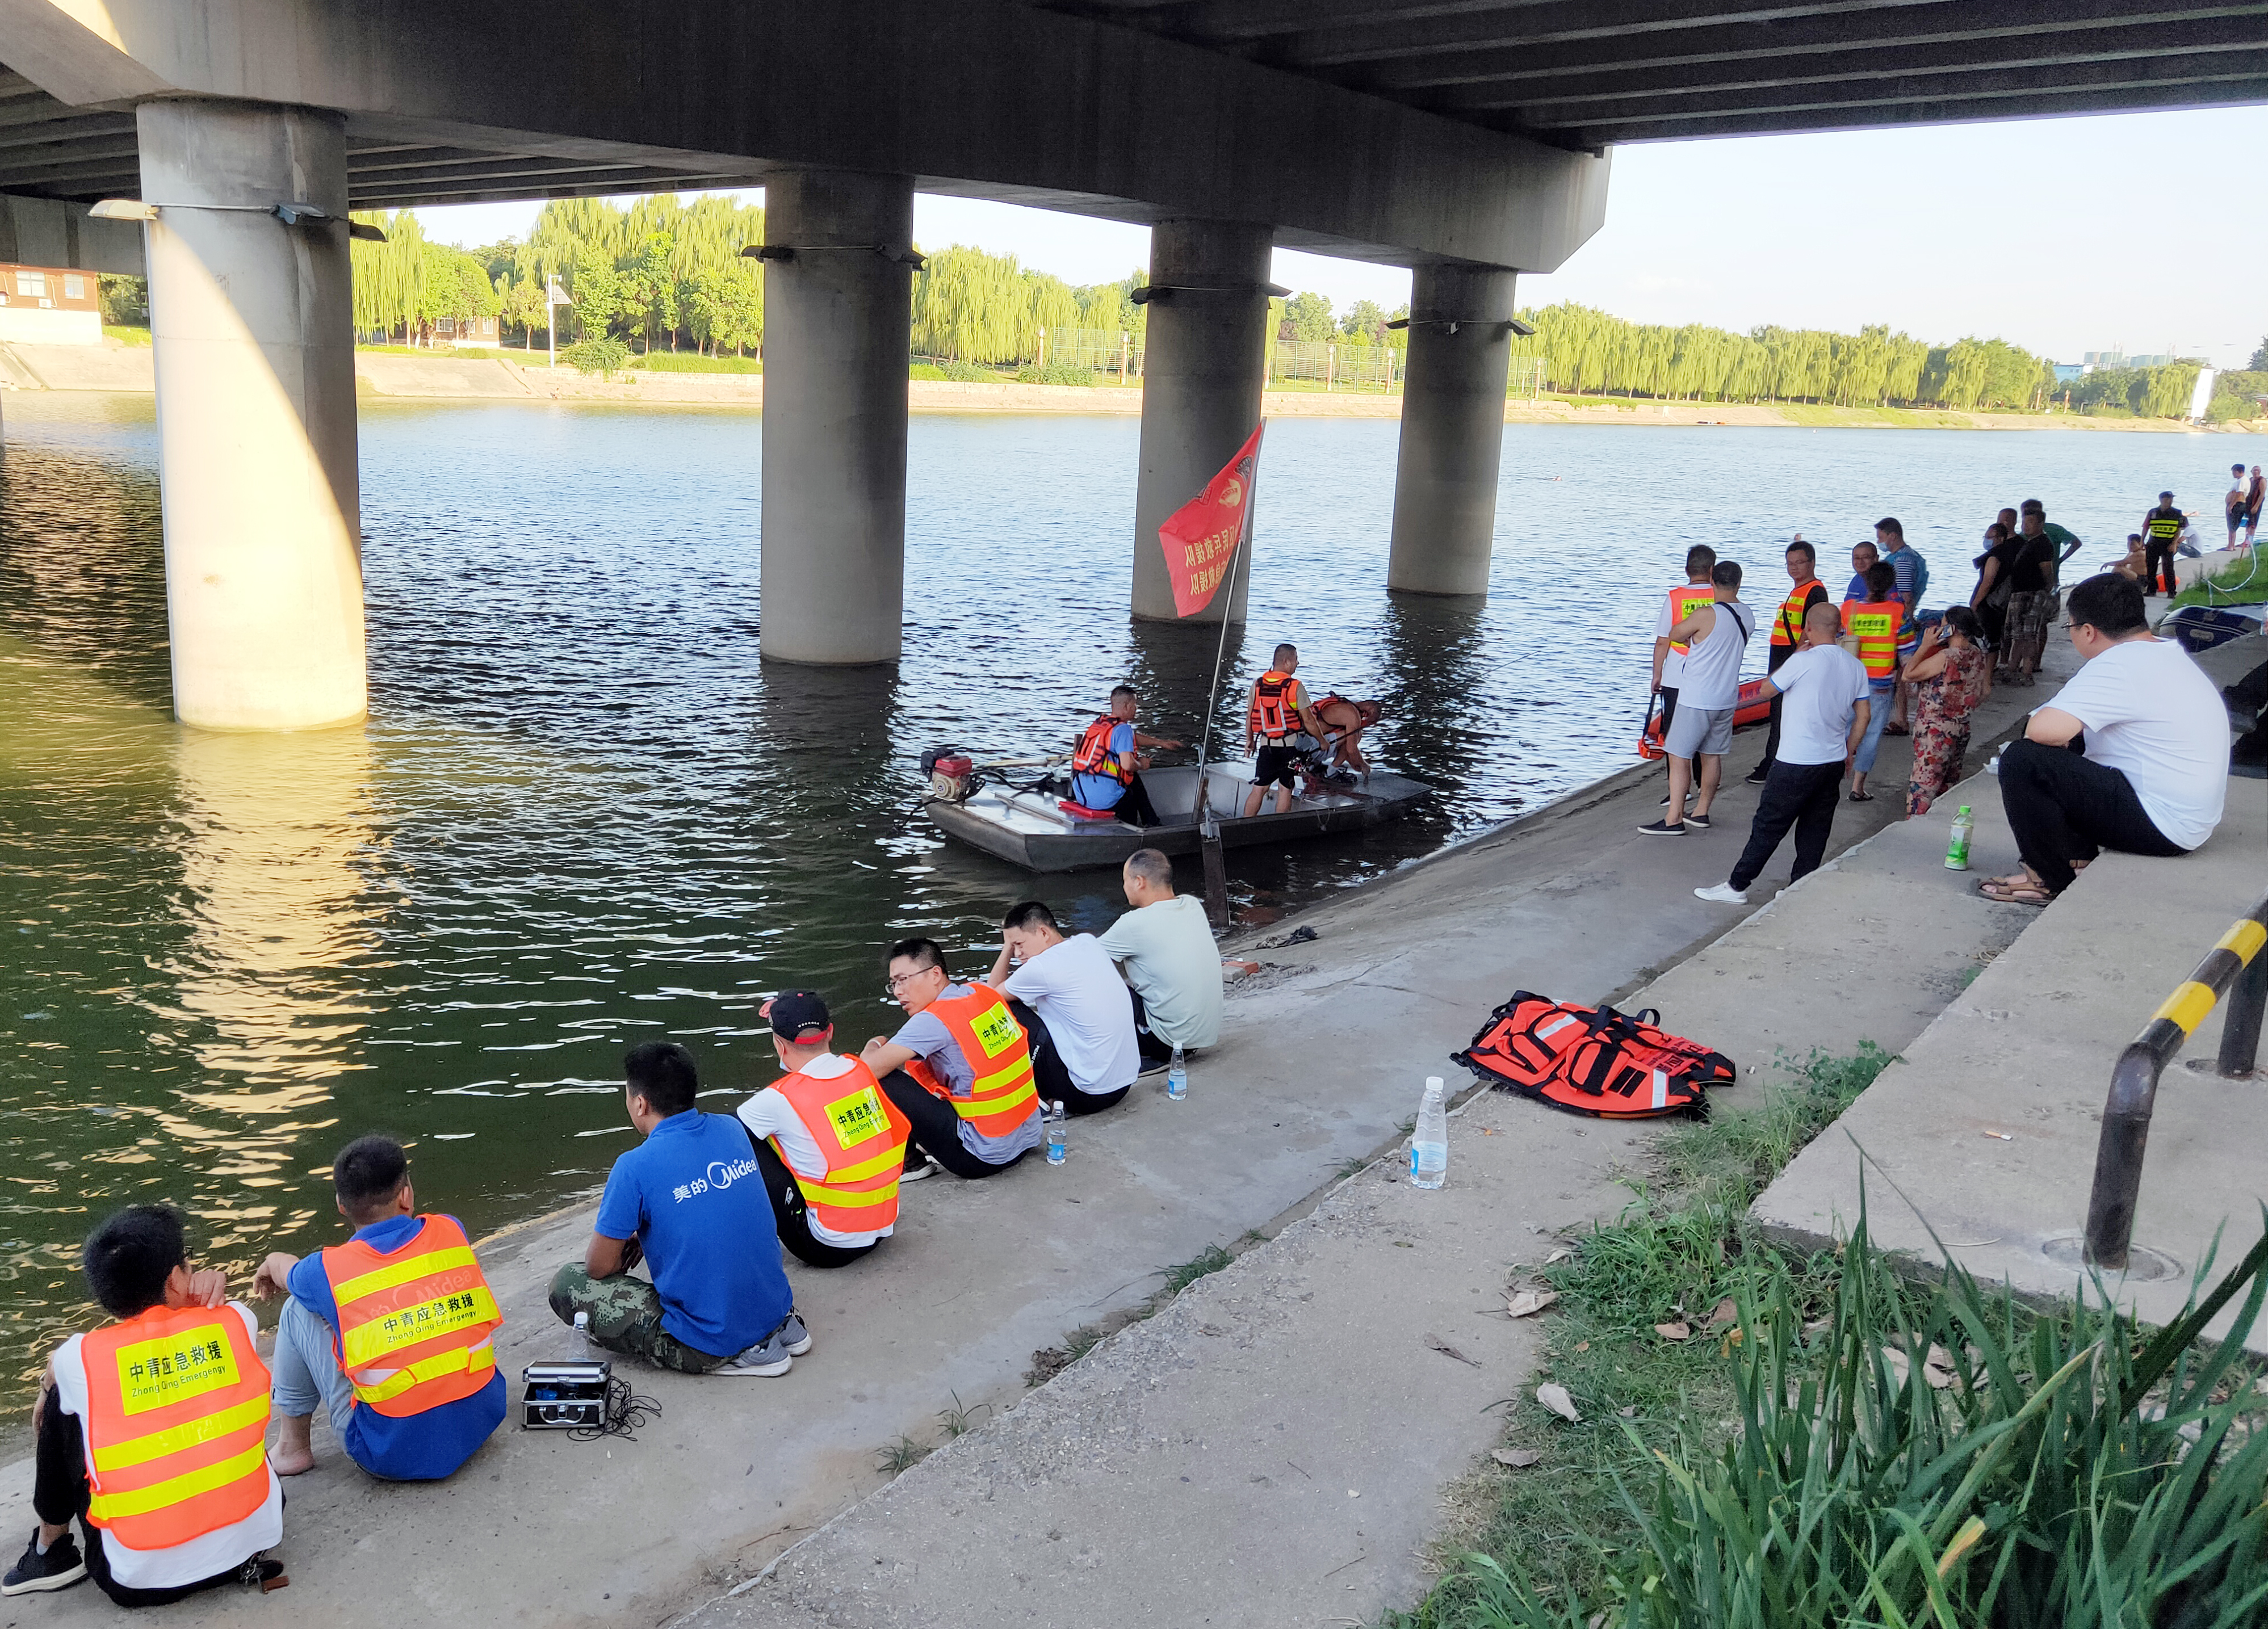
(2105, 359)
(2067, 371)
(468, 331)
(47, 305)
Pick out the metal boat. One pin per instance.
(1030, 829)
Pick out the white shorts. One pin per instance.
(1700, 729)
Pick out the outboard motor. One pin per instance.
(950, 771)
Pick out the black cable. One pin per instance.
(627, 1413)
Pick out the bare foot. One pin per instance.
(291, 1462)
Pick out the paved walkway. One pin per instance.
(1327, 1056)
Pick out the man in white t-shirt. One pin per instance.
(1165, 948)
(1715, 636)
(1073, 988)
(1824, 711)
(2237, 501)
(173, 1348)
(2155, 772)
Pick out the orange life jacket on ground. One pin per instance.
(1875, 622)
(1787, 627)
(415, 1325)
(1684, 600)
(1595, 1061)
(176, 1425)
(999, 1056)
(1094, 756)
(862, 1136)
(1274, 719)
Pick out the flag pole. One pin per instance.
(1208, 830)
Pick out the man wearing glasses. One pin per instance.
(959, 1069)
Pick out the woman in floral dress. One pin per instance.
(1952, 674)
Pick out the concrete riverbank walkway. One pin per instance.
(1326, 1053)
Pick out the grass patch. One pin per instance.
(901, 1456)
(137, 334)
(469, 353)
(694, 362)
(2246, 576)
(1181, 1274)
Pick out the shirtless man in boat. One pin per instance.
(1344, 722)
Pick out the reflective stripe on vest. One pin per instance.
(1787, 628)
(1094, 756)
(1274, 718)
(1683, 602)
(176, 1426)
(1002, 1097)
(1875, 622)
(845, 1114)
(2166, 528)
(416, 1324)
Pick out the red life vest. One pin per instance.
(1094, 756)
(1274, 718)
(862, 1136)
(416, 1324)
(176, 1425)
(1595, 1061)
(1787, 628)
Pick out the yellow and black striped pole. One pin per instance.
(2237, 960)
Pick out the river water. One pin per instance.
(583, 813)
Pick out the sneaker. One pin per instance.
(1151, 1071)
(1689, 796)
(1757, 776)
(1662, 828)
(60, 1568)
(1723, 893)
(1699, 821)
(794, 1336)
(914, 1173)
(766, 1359)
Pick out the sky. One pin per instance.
(2142, 232)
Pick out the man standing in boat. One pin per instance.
(1280, 714)
(1106, 769)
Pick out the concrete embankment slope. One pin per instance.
(1980, 1144)
(1323, 1060)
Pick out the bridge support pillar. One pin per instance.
(1451, 429)
(252, 324)
(837, 329)
(1203, 366)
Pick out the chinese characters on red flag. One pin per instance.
(1200, 538)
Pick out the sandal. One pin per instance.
(1895, 730)
(2003, 892)
(1862, 798)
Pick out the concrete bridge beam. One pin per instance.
(1451, 429)
(837, 327)
(1204, 364)
(251, 320)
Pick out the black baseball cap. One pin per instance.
(798, 1017)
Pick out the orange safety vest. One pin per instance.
(415, 1325)
(1684, 600)
(1274, 718)
(1094, 756)
(862, 1136)
(1787, 628)
(1002, 1096)
(1875, 622)
(176, 1426)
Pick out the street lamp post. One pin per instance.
(554, 297)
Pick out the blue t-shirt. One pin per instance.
(415, 1447)
(1101, 792)
(1913, 576)
(691, 1195)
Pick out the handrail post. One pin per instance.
(2118, 1155)
(2240, 1033)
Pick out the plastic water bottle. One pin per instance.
(581, 1353)
(1177, 1076)
(1057, 1134)
(1429, 1145)
(1956, 852)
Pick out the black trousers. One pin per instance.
(937, 1128)
(60, 1493)
(1049, 1073)
(1669, 708)
(2152, 552)
(1774, 661)
(1133, 804)
(793, 1216)
(1802, 795)
(1155, 1049)
(2062, 808)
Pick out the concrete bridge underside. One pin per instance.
(1468, 139)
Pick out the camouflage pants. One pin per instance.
(626, 1318)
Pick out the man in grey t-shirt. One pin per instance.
(1716, 636)
(967, 1146)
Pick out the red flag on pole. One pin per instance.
(1201, 537)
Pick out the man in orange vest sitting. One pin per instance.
(960, 1069)
(151, 1431)
(1106, 768)
(391, 1331)
(831, 1146)
(1280, 714)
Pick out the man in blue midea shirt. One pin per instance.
(690, 1202)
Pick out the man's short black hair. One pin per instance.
(1805, 549)
(1117, 690)
(130, 1256)
(1287, 653)
(922, 952)
(2165, 497)
(2110, 604)
(1882, 580)
(1890, 524)
(1700, 557)
(662, 1073)
(1030, 914)
(366, 1175)
(2033, 506)
(1725, 574)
